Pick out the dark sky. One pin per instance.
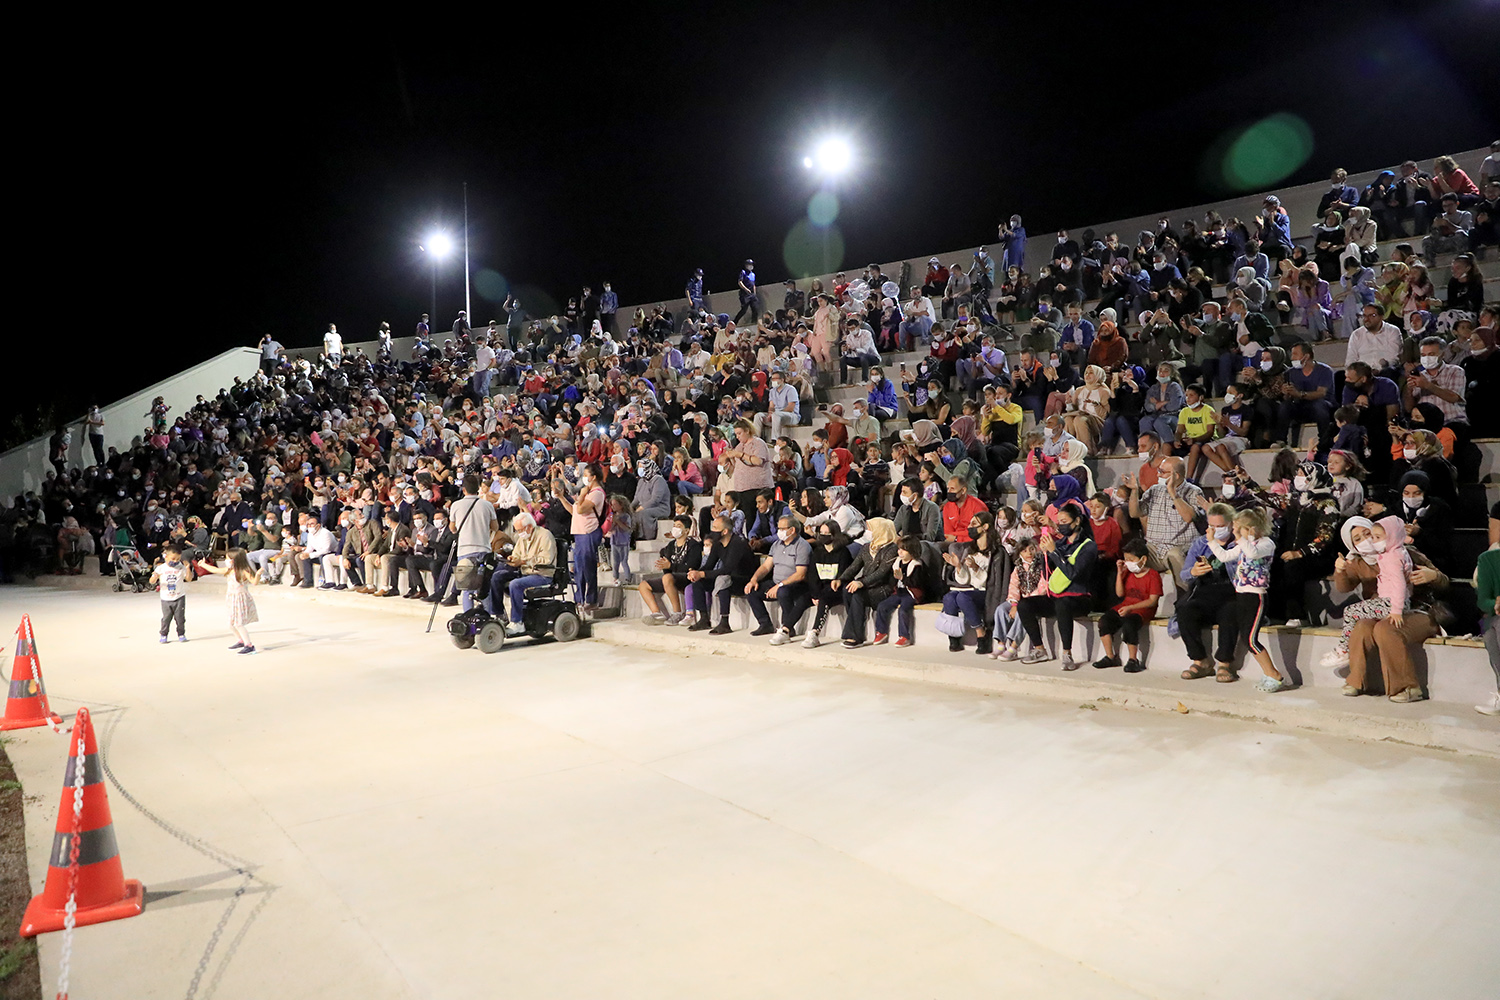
(202, 195)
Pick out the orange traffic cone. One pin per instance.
(27, 705)
(97, 883)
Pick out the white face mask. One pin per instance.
(1227, 490)
(1145, 456)
(1229, 398)
(787, 534)
(678, 531)
(1222, 534)
(1133, 567)
(1367, 547)
(1159, 265)
(1431, 361)
(1409, 453)
(1266, 366)
(1299, 483)
(1412, 503)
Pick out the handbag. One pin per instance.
(467, 574)
(950, 625)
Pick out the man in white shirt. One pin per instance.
(697, 357)
(784, 407)
(858, 349)
(1375, 342)
(319, 550)
(95, 423)
(484, 367)
(919, 318)
(333, 345)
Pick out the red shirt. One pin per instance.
(1107, 537)
(1138, 589)
(956, 517)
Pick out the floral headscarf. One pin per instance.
(838, 496)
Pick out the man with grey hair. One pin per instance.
(1169, 513)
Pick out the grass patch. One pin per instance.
(14, 956)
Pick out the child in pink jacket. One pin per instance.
(1392, 583)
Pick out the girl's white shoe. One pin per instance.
(1335, 659)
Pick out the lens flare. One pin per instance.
(491, 285)
(809, 250)
(823, 208)
(1267, 152)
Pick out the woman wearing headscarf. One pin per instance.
(1358, 572)
(842, 514)
(1422, 451)
(868, 580)
(653, 498)
(1067, 490)
(1304, 549)
(925, 436)
(1428, 517)
(956, 461)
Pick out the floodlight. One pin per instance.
(439, 245)
(833, 156)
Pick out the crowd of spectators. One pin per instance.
(1185, 345)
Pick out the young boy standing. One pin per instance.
(1139, 587)
(169, 576)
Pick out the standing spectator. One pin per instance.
(95, 424)
(751, 469)
(609, 304)
(749, 299)
(587, 511)
(333, 345)
(271, 354)
(694, 292)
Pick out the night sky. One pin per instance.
(222, 190)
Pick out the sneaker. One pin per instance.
(182, 638)
(1334, 658)
(514, 629)
(881, 638)
(722, 629)
(1134, 666)
(1270, 685)
(1410, 694)
(1069, 663)
(852, 644)
(654, 619)
(760, 630)
(163, 640)
(247, 649)
(781, 638)
(1491, 707)
(811, 642)
(1038, 654)
(238, 645)
(675, 618)
(901, 640)
(1008, 653)
(1105, 662)
(1294, 623)
(1350, 691)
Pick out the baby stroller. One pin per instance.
(131, 568)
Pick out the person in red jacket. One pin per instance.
(1107, 538)
(960, 510)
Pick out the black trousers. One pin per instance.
(1129, 626)
(793, 599)
(1064, 609)
(1206, 607)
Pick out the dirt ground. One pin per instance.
(20, 975)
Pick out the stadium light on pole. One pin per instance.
(438, 246)
(832, 157)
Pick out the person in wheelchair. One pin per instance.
(532, 563)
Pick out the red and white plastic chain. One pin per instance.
(71, 911)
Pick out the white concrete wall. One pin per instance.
(1301, 202)
(23, 467)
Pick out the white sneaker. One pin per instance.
(1491, 707)
(1294, 623)
(514, 629)
(811, 642)
(1334, 658)
(654, 619)
(781, 638)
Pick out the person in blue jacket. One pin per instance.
(882, 397)
(1013, 239)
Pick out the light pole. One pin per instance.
(438, 246)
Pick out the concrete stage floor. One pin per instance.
(585, 821)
